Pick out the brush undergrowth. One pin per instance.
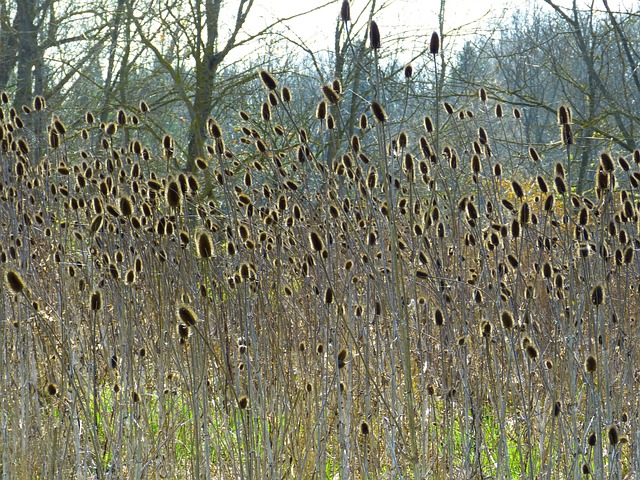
(401, 304)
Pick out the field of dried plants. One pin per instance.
(406, 304)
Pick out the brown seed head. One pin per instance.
(267, 80)
(434, 44)
(374, 35)
(14, 281)
(186, 315)
(345, 11)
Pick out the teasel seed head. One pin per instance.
(243, 403)
(532, 352)
(557, 408)
(345, 11)
(267, 80)
(517, 189)
(342, 357)
(374, 35)
(52, 389)
(316, 242)
(364, 428)
(408, 71)
(434, 44)
(507, 319)
(328, 296)
(378, 112)
(606, 162)
(590, 364)
(561, 186)
(266, 112)
(14, 281)
(564, 115)
(330, 94)
(204, 244)
(321, 110)
(96, 300)
(597, 295)
(567, 134)
(438, 317)
(183, 331)
(613, 435)
(186, 314)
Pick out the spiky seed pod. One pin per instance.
(525, 214)
(597, 295)
(408, 72)
(173, 194)
(330, 94)
(378, 112)
(186, 315)
(564, 115)
(243, 403)
(204, 245)
(95, 301)
(321, 110)
(266, 111)
(485, 329)
(374, 35)
(507, 319)
(557, 408)
(54, 139)
(606, 162)
(613, 435)
(213, 128)
(567, 134)
(315, 240)
(328, 296)
(52, 389)
(267, 80)
(39, 103)
(345, 11)
(14, 281)
(428, 124)
(590, 364)
(499, 113)
(482, 136)
(583, 217)
(602, 180)
(517, 114)
(121, 117)
(624, 164)
(517, 189)
(434, 44)
(532, 352)
(342, 356)
(438, 317)
(96, 223)
(475, 163)
(533, 154)
(183, 331)
(561, 186)
(448, 108)
(364, 428)
(372, 177)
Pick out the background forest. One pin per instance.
(229, 253)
